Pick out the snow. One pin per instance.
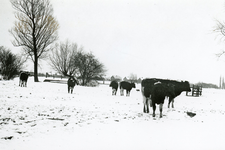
(44, 116)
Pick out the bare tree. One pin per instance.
(35, 30)
(133, 77)
(89, 67)
(220, 28)
(68, 60)
(62, 58)
(10, 64)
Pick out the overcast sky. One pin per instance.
(150, 38)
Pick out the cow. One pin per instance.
(127, 86)
(176, 86)
(23, 79)
(114, 85)
(71, 83)
(158, 94)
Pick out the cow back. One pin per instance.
(175, 87)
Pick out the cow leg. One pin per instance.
(147, 105)
(171, 100)
(127, 92)
(121, 91)
(146, 109)
(71, 90)
(160, 109)
(154, 108)
(145, 102)
(173, 103)
(115, 91)
(68, 89)
(150, 102)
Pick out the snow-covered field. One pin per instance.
(43, 116)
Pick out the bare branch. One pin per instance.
(62, 56)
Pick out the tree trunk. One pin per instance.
(83, 82)
(35, 69)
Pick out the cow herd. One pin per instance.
(154, 91)
(124, 85)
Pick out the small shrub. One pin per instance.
(93, 83)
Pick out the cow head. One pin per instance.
(133, 85)
(186, 86)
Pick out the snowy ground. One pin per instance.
(44, 116)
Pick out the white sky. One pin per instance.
(151, 38)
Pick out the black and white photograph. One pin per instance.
(112, 74)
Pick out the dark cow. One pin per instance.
(71, 83)
(158, 94)
(114, 85)
(127, 86)
(175, 86)
(23, 79)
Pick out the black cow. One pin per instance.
(23, 79)
(175, 86)
(158, 94)
(127, 86)
(71, 83)
(114, 85)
